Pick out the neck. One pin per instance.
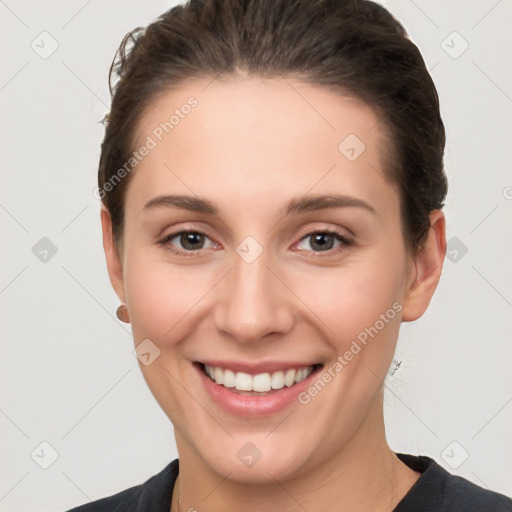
(363, 475)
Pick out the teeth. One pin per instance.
(229, 379)
(243, 381)
(289, 378)
(218, 375)
(277, 381)
(262, 382)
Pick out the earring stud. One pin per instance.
(122, 314)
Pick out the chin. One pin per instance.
(253, 459)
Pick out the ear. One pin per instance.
(114, 262)
(426, 270)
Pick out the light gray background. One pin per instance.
(68, 374)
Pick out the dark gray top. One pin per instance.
(435, 490)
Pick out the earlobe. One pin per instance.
(113, 259)
(427, 267)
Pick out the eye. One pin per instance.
(189, 240)
(324, 241)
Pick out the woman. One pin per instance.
(272, 184)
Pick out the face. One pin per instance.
(285, 262)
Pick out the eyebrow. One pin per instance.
(296, 205)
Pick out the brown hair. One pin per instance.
(354, 46)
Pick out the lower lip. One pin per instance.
(250, 406)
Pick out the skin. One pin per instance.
(247, 138)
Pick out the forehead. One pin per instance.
(240, 135)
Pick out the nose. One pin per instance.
(253, 301)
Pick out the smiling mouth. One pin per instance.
(258, 384)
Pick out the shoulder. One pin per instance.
(437, 489)
(122, 501)
(153, 495)
(461, 494)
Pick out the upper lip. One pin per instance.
(255, 368)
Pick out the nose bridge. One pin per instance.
(252, 301)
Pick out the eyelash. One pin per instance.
(346, 242)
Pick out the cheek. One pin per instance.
(165, 303)
(165, 297)
(358, 309)
(341, 301)
(350, 298)
(162, 297)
